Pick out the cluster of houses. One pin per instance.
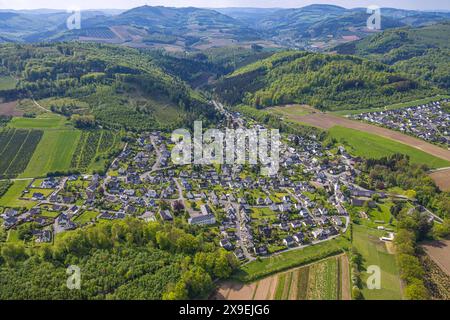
(428, 122)
(144, 179)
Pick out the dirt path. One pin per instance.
(327, 121)
(39, 106)
(439, 252)
(345, 278)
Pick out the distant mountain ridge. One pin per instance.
(314, 27)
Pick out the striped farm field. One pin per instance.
(16, 149)
(325, 280)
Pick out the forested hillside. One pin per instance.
(127, 259)
(421, 52)
(112, 86)
(327, 82)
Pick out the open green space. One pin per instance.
(11, 197)
(367, 145)
(54, 153)
(374, 253)
(86, 217)
(43, 121)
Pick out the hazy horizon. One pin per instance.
(122, 4)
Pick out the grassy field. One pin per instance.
(86, 217)
(290, 259)
(43, 121)
(292, 110)
(374, 252)
(368, 145)
(11, 197)
(54, 153)
(7, 83)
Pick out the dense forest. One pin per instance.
(120, 87)
(423, 53)
(325, 81)
(127, 259)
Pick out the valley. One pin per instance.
(90, 125)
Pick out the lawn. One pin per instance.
(86, 217)
(264, 214)
(45, 192)
(374, 252)
(363, 144)
(11, 197)
(54, 153)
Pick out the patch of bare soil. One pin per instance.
(390, 247)
(327, 121)
(345, 278)
(439, 252)
(9, 109)
(442, 179)
(266, 289)
(235, 291)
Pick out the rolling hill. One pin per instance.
(314, 27)
(422, 52)
(115, 87)
(327, 82)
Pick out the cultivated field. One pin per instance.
(369, 145)
(328, 121)
(439, 252)
(325, 280)
(16, 149)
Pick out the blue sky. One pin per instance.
(124, 4)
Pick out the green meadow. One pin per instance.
(11, 197)
(367, 145)
(43, 121)
(54, 153)
(374, 253)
